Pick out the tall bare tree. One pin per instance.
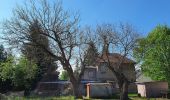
(61, 29)
(123, 40)
(45, 64)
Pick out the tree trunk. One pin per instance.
(75, 83)
(124, 91)
(76, 90)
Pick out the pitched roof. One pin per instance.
(114, 58)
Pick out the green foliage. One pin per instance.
(91, 54)
(154, 53)
(24, 73)
(6, 74)
(42, 98)
(21, 74)
(6, 69)
(64, 75)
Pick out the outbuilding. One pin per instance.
(152, 89)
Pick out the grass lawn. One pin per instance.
(116, 97)
(42, 98)
(135, 97)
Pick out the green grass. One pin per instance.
(115, 97)
(42, 98)
(135, 97)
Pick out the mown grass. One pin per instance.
(115, 97)
(135, 97)
(42, 98)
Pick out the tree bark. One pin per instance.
(75, 83)
(124, 90)
(76, 90)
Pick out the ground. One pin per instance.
(35, 97)
(42, 98)
(132, 97)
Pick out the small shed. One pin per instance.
(99, 90)
(53, 88)
(152, 89)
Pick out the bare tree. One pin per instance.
(123, 40)
(61, 29)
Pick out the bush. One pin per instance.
(21, 74)
(24, 74)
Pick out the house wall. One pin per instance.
(152, 89)
(99, 90)
(141, 90)
(104, 73)
(89, 74)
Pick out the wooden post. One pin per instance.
(88, 90)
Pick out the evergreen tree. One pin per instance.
(91, 54)
(34, 52)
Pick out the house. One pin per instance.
(102, 73)
(102, 76)
(99, 77)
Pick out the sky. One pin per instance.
(144, 15)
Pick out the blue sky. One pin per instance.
(143, 14)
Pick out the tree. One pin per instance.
(5, 85)
(24, 74)
(91, 54)
(64, 75)
(57, 25)
(32, 52)
(121, 39)
(21, 74)
(3, 54)
(6, 74)
(153, 53)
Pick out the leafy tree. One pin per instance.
(91, 54)
(64, 75)
(153, 52)
(23, 75)
(5, 71)
(7, 67)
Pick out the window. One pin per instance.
(103, 67)
(91, 74)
